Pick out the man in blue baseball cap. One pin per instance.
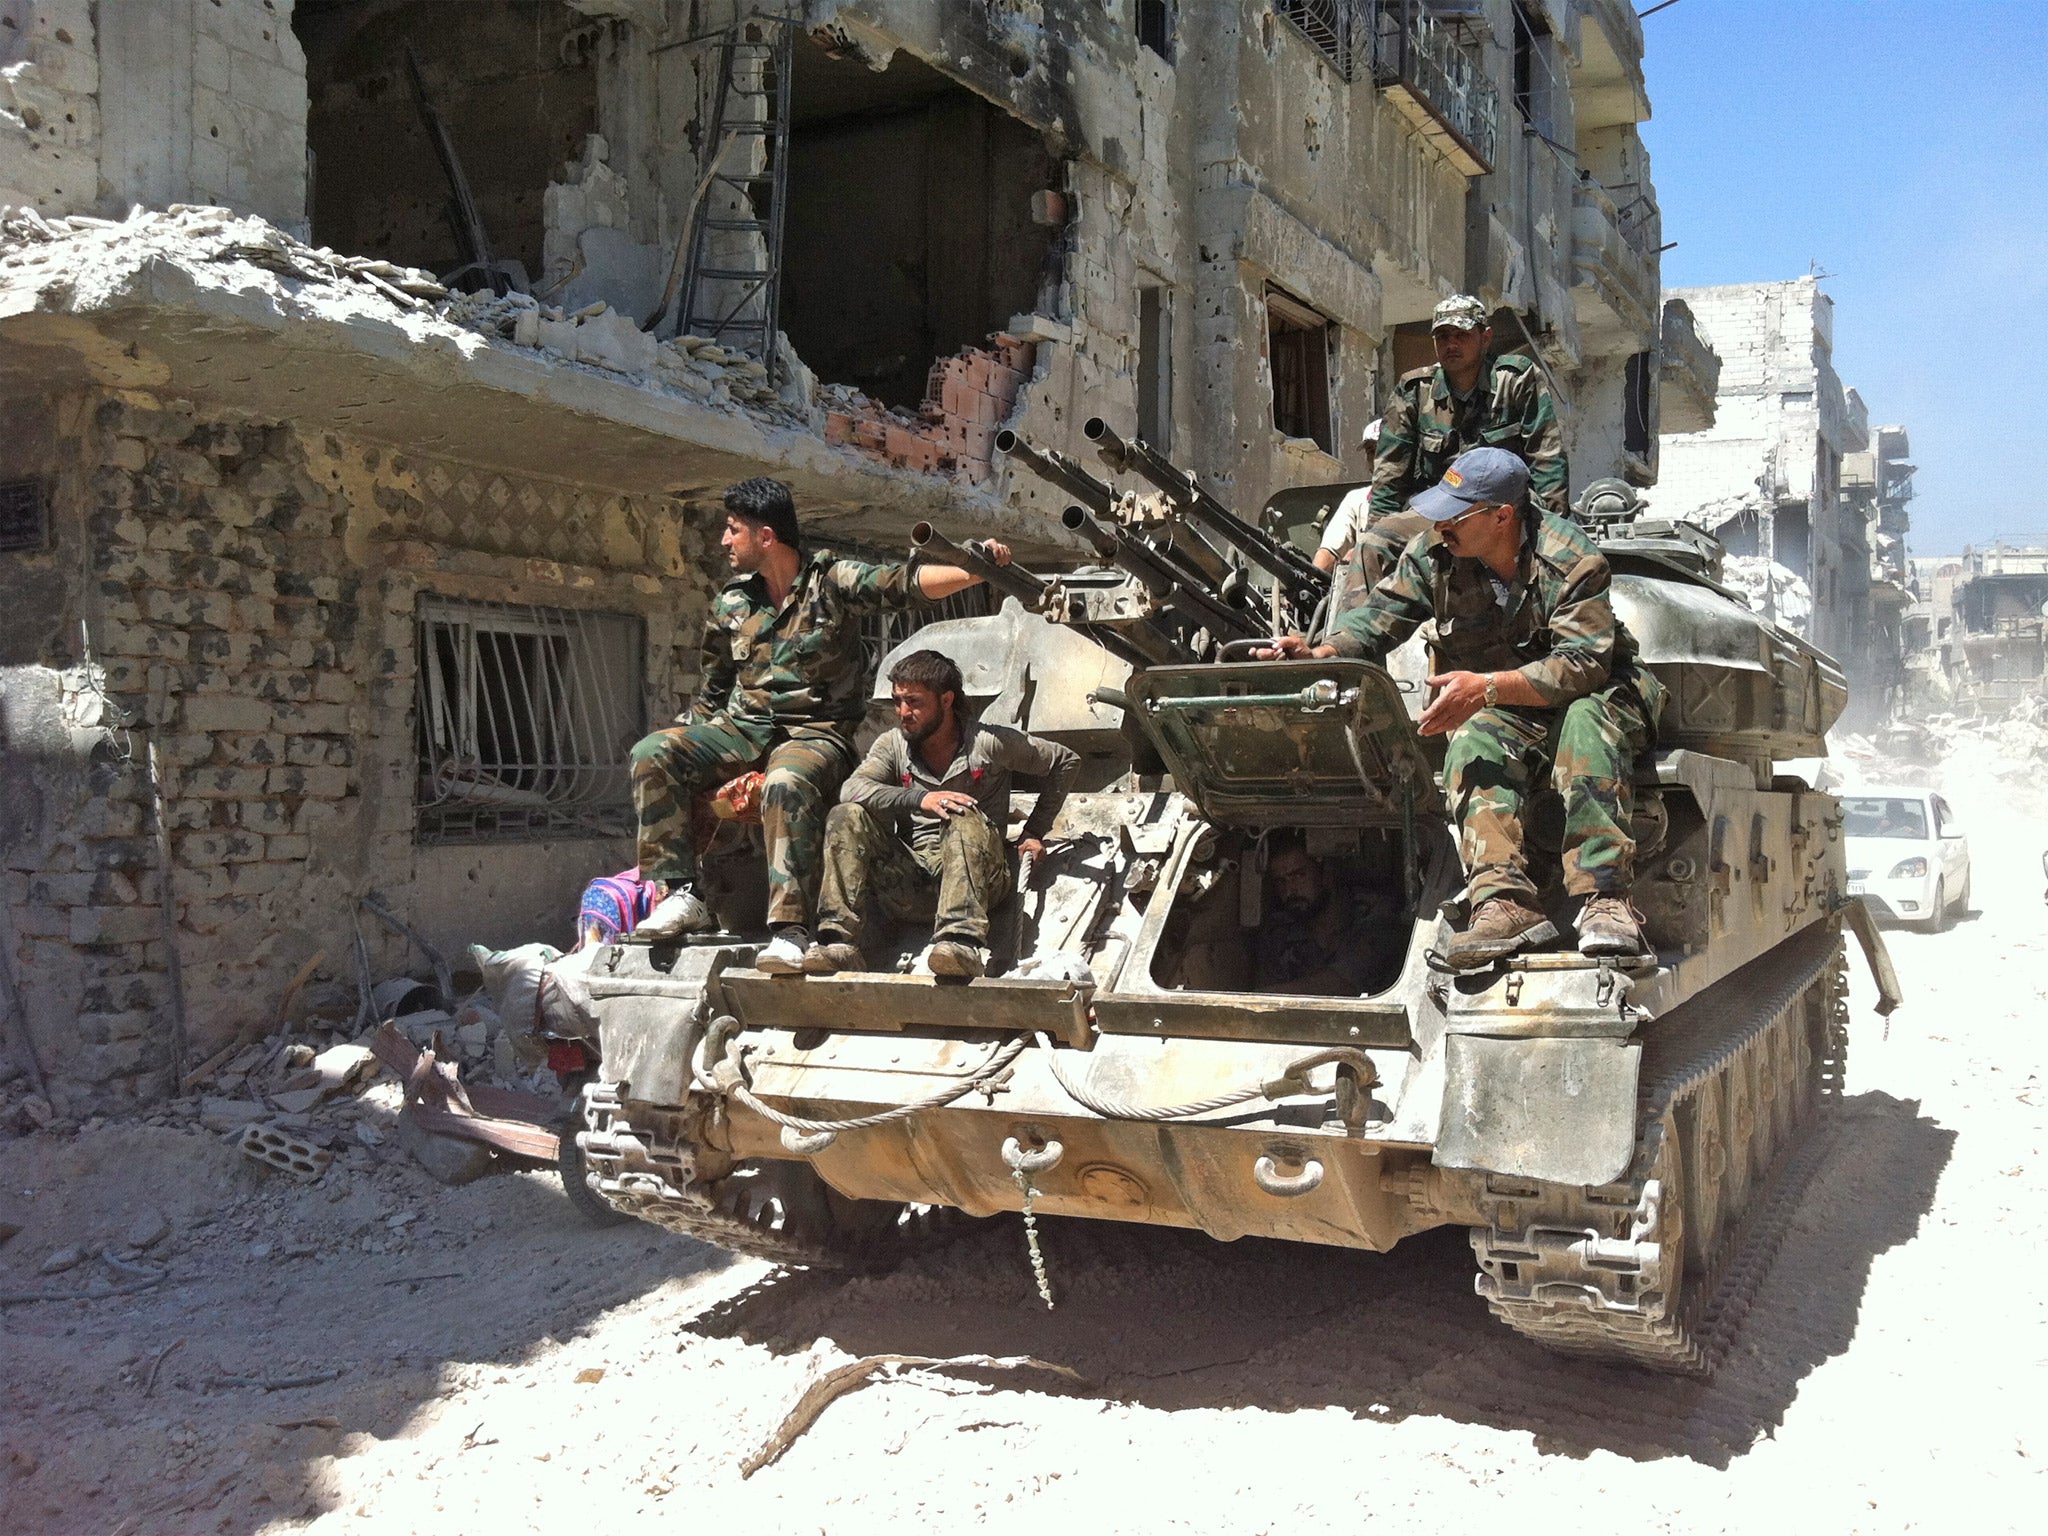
(1532, 673)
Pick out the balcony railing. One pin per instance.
(1421, 58)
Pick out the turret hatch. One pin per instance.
(1287, 743)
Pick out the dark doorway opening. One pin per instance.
(913, 223)
(515, 82)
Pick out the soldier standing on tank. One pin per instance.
(948, 776)
(785, 684)
(1532, 669)
(1470, 399)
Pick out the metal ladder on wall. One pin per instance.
(738, 306)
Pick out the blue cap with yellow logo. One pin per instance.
(1478, 477)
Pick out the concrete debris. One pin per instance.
(147, 1230)
(88, 251)
(274, 1148)
(231, 1114)
(450, 1159)
(1771, 589)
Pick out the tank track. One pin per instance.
(779, 1211)
(1659, 1269)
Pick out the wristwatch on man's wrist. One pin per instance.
(1492, 689)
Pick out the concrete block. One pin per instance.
(288, 849)
(231, 651)
(118, 639)
(313, 783)
(106, 1028)
(39, 922)
(226, 712)
(226, 783)
(114, 925)
(315, 719)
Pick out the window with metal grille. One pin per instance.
(526, 718)
(24, 516)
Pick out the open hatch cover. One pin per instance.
(1264, 743)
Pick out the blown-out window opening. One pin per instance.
(526, 719)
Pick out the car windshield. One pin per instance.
(1886, 818)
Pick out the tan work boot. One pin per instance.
(1610, 925)
(1500, 927)
(829, 957)
(950, 957)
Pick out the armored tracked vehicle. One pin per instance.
(1624, 1140)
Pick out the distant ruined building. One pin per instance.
(1810, 500)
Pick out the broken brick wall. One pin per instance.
(250, 592)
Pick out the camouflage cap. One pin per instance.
(1460, 312)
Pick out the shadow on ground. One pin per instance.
(122, 1415)
(1171, 1320)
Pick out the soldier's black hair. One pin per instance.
(767, 502)
(930, 669)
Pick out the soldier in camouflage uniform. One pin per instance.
(948, 775)
(784, 687)
(1469, 400)
(1532, 669)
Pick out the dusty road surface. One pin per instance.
(479, 1359)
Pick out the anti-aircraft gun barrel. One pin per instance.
(1057, 470)
(1172, 583)
(1010, 580)
(1306, 585)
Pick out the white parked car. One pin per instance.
(1908, 857)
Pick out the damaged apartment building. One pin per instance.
(1810, 500)
(370, 370)
(1977, 630)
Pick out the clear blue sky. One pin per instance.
(1903, 146)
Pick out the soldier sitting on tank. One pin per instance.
(1315, 940)
(1531, 669)
(942, 777)
(1470, 399)
(784, 688)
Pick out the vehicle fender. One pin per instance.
(653, 1003)
(1560, 1110)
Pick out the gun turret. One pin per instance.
(1304, 585)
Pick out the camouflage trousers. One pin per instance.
(803, 770)
(1589, 747)
(954, 879)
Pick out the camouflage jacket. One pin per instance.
(894, 778)
(805, 662)
(1425, 426)
(1556, 626)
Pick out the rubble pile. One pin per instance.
(1770, 588)
(2010, 750)
(594, 336)
(318, 1095)
(967, 398)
